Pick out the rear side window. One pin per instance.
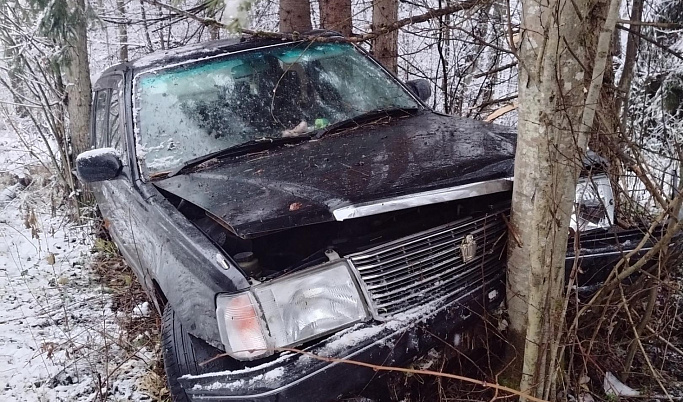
(101, 110)
(115, 133)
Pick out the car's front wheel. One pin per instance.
(183, 354)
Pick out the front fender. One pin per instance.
(182, 260)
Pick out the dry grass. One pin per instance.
(138, 331)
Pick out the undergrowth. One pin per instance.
(134, 313)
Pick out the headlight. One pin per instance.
(594, 204)
(240, 326)
(289, 310)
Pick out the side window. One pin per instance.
(115, 124)
(101, 118)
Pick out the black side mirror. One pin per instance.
(98, 165)
(421, 88)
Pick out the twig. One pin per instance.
(640, 344)
(644, 320)
(498, 100)
(496, 70)
(512, 231)
(661, 338)
(670, 25)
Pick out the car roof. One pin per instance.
(203, 49)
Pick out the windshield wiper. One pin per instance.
(364, 118)
(257, 145)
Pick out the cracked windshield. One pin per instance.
(206, 106)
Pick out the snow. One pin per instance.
(261, 379)
(141, 310)
(236, 13)
(94, 153)
(59, 340)
(283, 356)
(352, 337)
(156, 57)
(10, 193)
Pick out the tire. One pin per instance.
(183, 353)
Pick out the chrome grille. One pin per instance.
(428, 265)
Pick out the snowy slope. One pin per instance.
(59, 339)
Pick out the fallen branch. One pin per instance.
(500, 112)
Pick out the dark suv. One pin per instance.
(277, 194)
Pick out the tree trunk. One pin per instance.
(123, 32)
(629, 63)
(385, 47)
(145, 27)
(295, 15)
(555, 120)
(77, 84)
(546, 173)
(336, 16)
(608, 121)
(443, 45)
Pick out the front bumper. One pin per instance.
(295, 377)
(407, 336)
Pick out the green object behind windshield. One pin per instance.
(203, 106)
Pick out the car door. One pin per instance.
(116, 198)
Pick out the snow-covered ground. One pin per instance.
(59, 338)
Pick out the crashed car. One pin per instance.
(282, 196)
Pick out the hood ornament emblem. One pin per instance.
(468, 248)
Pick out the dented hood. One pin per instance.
(303, 184)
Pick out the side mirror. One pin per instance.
(98, 165)
(421, 88)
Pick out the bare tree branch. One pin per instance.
(652, 41)
(427, 16)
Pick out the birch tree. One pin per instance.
(556, 114)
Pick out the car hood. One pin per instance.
(303, 184)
